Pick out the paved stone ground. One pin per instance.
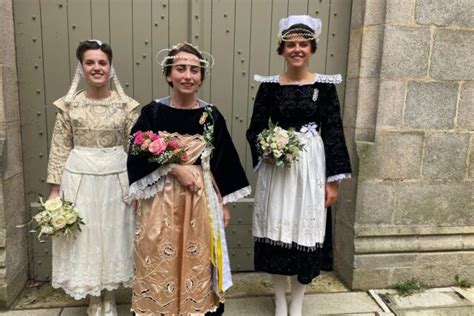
(251, 296)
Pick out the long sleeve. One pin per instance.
(61, 146)
(137, 165)
(259, 121)
(225, 163)
(338, 164)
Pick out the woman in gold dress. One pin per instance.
(181, 261)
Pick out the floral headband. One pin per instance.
(206, 63)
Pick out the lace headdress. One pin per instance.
(79, 73)
(313, 23)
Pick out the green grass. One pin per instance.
(462, 283)
(410, 287)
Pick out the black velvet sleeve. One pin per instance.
(332, 133)
(137, 165)
(259, 121)
(225, 163)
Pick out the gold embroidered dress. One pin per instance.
(181, 262)
(88, 160)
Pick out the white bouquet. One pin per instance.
(279, 145)
(57, 217)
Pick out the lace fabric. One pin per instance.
(100, 257)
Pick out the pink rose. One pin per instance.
(155, 137)
(157, 147)
(145, 144)
(138, 138)
(173, 144)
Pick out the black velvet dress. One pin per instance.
(295, 106)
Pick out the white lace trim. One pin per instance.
(288, 245)
(81, 292)
(151, 184)
(329, 78)
(338, 177)
(317, 78)
(260, 78)
(237, 195)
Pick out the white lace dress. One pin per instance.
(88, 160)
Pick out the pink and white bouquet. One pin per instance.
(279, 145)
(56, 218)
(162, 150)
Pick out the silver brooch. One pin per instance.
(315, 94)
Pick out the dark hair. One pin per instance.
(186, 48)
(296, 29)
(87, 45)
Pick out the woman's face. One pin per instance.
(297, 52)
(96, 67)
(185, 73)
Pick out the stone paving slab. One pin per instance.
(33, 312)
(251, 306)
(466, 292)
(340, 303)
(438, 301)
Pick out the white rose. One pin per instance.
(48, 230)
(282, 138)
(53, 205)
(71, 217)
(277, 153)
(58, 221)
(42, 218)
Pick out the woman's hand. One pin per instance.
(188, 177)
(331, 194)
(53, 191)
(226, 214)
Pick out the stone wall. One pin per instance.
(409, 211)
(13, 249)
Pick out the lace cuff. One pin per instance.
(338, 177)
(151, 184)
(237, 195)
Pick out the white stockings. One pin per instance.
(297, 295)
(279, 285)
(103, 305)
(110, 309)
(95, 306)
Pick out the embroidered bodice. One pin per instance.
(89, 123)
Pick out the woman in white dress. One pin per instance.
(87, 165)
(290, 203)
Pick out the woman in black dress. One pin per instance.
(290, 202)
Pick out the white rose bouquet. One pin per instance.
(57, 217)
(279, 145)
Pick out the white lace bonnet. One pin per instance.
(312, 23)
